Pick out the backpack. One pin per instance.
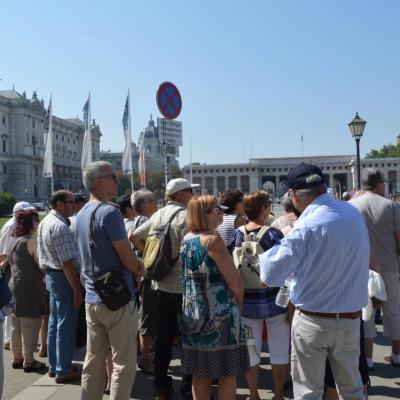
(157, 254)
(246, 258)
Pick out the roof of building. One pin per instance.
(75, 121)
(11, 94)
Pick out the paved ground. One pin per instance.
(385, 381)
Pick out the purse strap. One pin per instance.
(14, 246)
(91, 237)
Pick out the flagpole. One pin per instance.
(130, 138)
(191, 163)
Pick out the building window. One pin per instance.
(27, 138)
(4, 168)
(73, 141)
(68, 140)
(33, 124)
(56, 137)
(4, 120)
(62, 138)
(223, 170)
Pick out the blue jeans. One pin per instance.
(62, 323)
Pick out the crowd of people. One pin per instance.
(209, 274)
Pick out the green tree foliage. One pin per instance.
(7, 201)
(124, 184)
(387, 151)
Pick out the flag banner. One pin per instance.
(87, 139)
(127, 155)
(142, 163)
(48, 142)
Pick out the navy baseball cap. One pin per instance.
(304, 176)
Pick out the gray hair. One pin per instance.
(370, 178)
(93, 171)
(140, 198)
(313, 191)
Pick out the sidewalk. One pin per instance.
(385, 380)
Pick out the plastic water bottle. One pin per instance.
(283, 296)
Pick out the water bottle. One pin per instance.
(282, 298)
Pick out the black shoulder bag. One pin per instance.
(111, 286)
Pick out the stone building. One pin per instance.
(153, 153)
(270, 174)
(22, 148)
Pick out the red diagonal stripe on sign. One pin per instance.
(170, 99)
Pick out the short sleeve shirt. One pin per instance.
(171, 283)
(56, 242)
(382, 217)
(6, 238)
(108, 228)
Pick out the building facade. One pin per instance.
(153, 153)
(22, 148)
(270, 174)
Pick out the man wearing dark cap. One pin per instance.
(326, 255)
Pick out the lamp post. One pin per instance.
(357, 129)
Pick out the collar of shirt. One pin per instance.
(60, 216)
(175, 203)
(323, 199)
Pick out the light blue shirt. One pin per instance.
(328, 254)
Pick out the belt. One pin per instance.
(350, 315)
(54, 270)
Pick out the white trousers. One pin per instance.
(315, 339)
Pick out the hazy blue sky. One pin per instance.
(260, 71)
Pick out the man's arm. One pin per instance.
(72, 278)
(128, 258)
(138, 236)
(281, 260)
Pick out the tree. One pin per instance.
(124, 184)
(7, 201)
(388, 150)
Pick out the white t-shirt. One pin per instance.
(6, 240)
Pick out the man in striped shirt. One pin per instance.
(327, 257)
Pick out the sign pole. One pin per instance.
(165, 156)
(191, 163)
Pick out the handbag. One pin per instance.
(110, 286)
(254, 357)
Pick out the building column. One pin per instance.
(331, 184)
(215, 187)
(203, 185)
(239, 182)
(276, 184)
(226, 182)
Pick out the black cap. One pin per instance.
(304, 176)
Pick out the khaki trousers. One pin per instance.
(315, 339)
(105, 329)
(24, 334)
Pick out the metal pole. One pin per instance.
(191, 163)
(358, 164)
(165, 156)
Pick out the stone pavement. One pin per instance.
(385, 381)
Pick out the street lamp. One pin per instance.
(357, 129)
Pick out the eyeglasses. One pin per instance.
(215, 210)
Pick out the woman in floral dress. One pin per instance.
(214, 345)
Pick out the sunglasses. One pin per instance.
(215, 210)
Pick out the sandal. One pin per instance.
(35, 366)
(17, 364)
(388, 358)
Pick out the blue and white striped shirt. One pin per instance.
(328, 253)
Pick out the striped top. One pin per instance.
(227, 227)
(328, 252)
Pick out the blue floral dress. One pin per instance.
(213, 339)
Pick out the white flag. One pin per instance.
(87, 139)
(126, 123)
(142, 163)
(48, 142)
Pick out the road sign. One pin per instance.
(169, 100)
(170, 132)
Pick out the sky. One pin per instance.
(254, 75)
